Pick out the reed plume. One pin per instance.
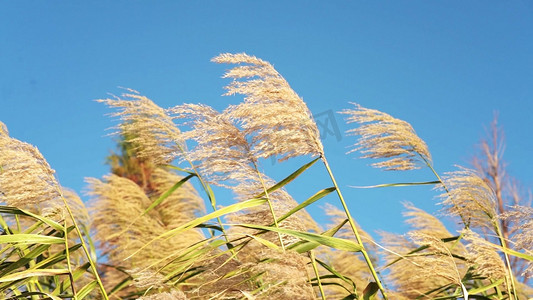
(469, 197)
(224, 156)
(222, 153)
(3, 129)
(415, 273)
(122, 227)
(116, 202)
(26, 179)
(282, 202)
(521, 217)
(483, 257)
(272, 115)
(179, 207)
(383, 137)
(147, 127)
(284, 274)
(424, 222)
(172, 295)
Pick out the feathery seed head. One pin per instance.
(122, 227)
(148, 127)
(3, 129)
(272, 114)
(522, 219)
(440, 262)
(147, 279)
(423, 222)
(221, 151)
(385, 137)
(483, 257)
(285, 274)
(116, 202)
(172, 295)
(179, 207)
(282, 202)
(427, 270)
(76, 205)
(26, 179)
(469, 197)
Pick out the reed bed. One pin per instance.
(153, 228)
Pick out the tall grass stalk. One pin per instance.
(270, 205)
(85, 249)
(501, 239)
(69, 265)
(354, 229)
(315, 269)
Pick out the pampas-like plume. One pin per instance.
(179, 207)
(414, 275)
(225, 158)
(148, 127)
(121, 228)
(172, 295)
(78, 208)
(423, 271)
(440, 262)
(117, 202)
(483, 257)
(272, 114)
(3, 129)
(221, 151)
(522, 219)
(26, 179)
(385, 137)
(470, 198)
(424, 222)
(282, 202)
(284, 273)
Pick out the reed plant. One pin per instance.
(159, 232)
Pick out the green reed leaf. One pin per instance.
(332, 242)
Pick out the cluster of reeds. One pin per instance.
(155, 238)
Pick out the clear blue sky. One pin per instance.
(443, 66)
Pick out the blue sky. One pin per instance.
(443, 66)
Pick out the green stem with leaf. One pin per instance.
(355, 231)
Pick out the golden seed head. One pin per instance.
(424, 222)
(221, 151)
(483, 257)
(3, 129)
(26, 178)
(148, 127)
(469, 197)
(383, 137)
(275, 118)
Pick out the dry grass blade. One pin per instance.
(383, 137)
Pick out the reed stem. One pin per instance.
(85, 250)
(354, 229)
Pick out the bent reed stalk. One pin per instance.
(354, 229)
